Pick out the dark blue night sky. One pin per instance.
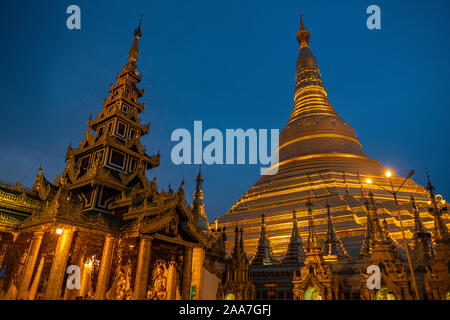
(230, 64)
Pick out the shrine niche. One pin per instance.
(385, 294)
(312, 294)
(165, 274)
(159, 284)
(124, 268)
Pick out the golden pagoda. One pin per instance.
(322, 162)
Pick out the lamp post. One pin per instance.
(397, 206)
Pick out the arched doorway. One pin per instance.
(312, 294)
(229, 296)
(385, 294)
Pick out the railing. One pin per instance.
(15, 186)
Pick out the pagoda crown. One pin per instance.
(198, 205)
(314, 127)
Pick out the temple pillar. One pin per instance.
(198, 258)
(187, 272)
(86, 281)
(143, 264)
(171, 282)
(30, 263)
(105, 268)
(37, 277)
(58, 268)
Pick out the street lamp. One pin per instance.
(394, 193)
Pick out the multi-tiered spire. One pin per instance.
(440, 229)
(263, 254)
(376, 235)
(422, 244)
(314, 128)
(312, 244)
(111, 160)
(295, 253)
(198, 205)
(367, 245)
(333, 249)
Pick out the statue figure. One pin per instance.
(158, 290)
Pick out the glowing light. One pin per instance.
(59, 231)
(388, 174)
(369, 181)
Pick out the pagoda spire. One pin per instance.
(303, 34)
(111, 160)
(367, 245)
(263, 254)
(418, 225)
(198, 205)
(333, 249)
(440, 229)
(378, 234)
(314, 127)
(422, 244)
(134, 51)
(312, 245)
(294, 253)
(241, 240)
(386, 233)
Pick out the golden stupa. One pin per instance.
(321, 158)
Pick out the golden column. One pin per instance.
(34, 286)
(58, 269)
(140, 285)
(29, 265)
(105, 268)
(187, 272)
(198, 258)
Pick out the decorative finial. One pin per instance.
(302, 34)
(199, 175)
(134, 51)
(138, 32)
(430, 187)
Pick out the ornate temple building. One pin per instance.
(329, 212)
(102, 226)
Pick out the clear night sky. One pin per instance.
(230, 64)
